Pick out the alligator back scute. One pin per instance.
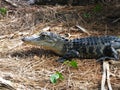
(94, 40)
(92, 47)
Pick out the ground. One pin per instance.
(30, 67)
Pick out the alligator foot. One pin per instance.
(69, 55)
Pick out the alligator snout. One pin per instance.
(26, 39)
(31, 39)
(23, 39)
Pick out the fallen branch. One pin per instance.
(5, 84)
(106, 76)
(11, 3)
(83, 29)
(103, 77)
(116, 20)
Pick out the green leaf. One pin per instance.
(66, 62)
(86, 15)
(73, 64)
(55, 77)
(3, 11)
(60, 75)
(97, 8)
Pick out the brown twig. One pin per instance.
(106, 76)
(116, 20)
(83, 29)
(5, 84)
(103, 77)
(11, 3)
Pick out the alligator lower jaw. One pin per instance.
(55, 50)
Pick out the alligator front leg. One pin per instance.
(69, 55)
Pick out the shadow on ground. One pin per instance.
(32, 52)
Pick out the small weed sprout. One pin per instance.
(56, 76)
(72, 63)
(3, 11)
(87, 15)
(97, 8)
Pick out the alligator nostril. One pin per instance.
(23, 39)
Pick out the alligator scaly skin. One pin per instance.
(93, 47)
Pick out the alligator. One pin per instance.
(93, 47)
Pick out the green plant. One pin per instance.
(72, 63)
(97, 8)
(3, 11)
(56, 76)
(87, 15)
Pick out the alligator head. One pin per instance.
(47, 40)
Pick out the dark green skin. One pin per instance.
(100, 48)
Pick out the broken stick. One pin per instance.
(11, 3)
(106, 76)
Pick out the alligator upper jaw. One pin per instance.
(30, 38)
(26, 40)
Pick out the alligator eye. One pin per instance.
(43, 35)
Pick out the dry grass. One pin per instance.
(30, 67)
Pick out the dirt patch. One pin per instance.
(30, 67)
